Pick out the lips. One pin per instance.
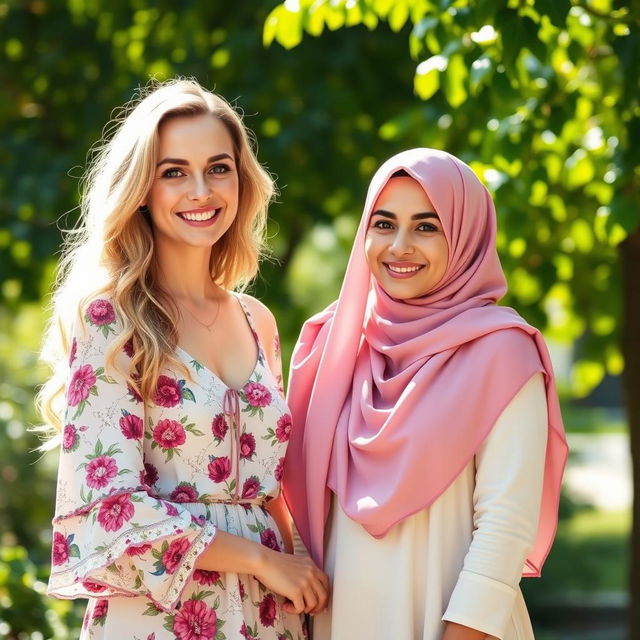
(199, 215)
(403, 267)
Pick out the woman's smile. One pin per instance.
(200, 217)
(403, 269)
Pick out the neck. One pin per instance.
(184, 273)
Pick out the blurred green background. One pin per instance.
(539, 96)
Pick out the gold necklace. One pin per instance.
(207, 326)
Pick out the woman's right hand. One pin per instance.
(297, 578)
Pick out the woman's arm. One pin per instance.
(294, 577)
(507, 495)
(278, 510)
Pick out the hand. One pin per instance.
(297, 578)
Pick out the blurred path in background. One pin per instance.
(599, 470)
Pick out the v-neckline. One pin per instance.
(191, 359)
(256, 340)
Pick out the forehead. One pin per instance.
(403, 194)
(183, 136)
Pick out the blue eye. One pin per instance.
(220, 168)
(174, 172)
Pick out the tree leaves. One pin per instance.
(556, 10)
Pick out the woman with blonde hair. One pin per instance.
(166, 392)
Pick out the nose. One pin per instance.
(199, 189)
(401, 245)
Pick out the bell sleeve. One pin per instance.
(111, 535)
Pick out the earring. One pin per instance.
(143, 209)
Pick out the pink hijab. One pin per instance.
(391, 399)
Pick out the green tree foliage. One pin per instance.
(534, 95)
(540, 98)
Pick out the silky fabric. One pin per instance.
(391, 399)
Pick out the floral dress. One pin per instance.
(142, 490)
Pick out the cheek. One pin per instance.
(232, 187)
(159, 194)
(440, 256)
(371, 252)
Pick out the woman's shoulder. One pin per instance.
(97, 316)
(511, 345)
(265, 322)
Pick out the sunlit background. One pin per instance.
(540, 97)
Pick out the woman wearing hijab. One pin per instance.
(427, 420)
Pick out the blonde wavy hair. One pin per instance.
(111, 252)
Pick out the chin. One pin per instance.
(405, 291)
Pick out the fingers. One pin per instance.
(322, 597)
(298, 604)
(289, 607)
(298, 579)
(319, 588)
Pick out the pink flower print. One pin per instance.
(219, 469)
(246, 632)
(152, 636)
(93, 587)
(73, 351)
(257, 394)
(169, 434)
(170, 509)
(70, 438)
(149, 476)
(101, 471)
(184, 492)
(241, 590)
(206, 578)
(128, 347)
(100, 313)
(279, 472)
(276, 345)
(80, 386)
(131, 426)
(219, 427)
(59, 549)
(251, 487)
(267, 610)
(195, 621)
(268, 539)
(172, 557)
(100, 611)
(247, 446)
(138, 550)
(283, 428)
(168, 392)
(115, 511)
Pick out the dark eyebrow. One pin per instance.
(416, 216)
(185, 163)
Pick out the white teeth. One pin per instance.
(403, 269)
(199, 217)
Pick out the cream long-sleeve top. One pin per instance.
(458, 560)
